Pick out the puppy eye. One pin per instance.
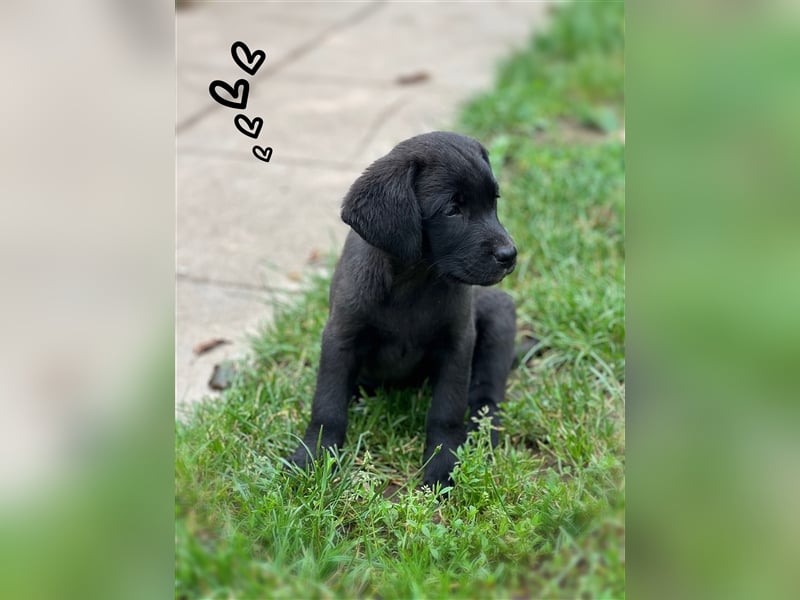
(454, 208)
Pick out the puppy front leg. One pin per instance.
(336, 379)
(446, 427)
(494, 352)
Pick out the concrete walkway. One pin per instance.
(331, 102)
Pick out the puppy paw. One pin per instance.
(301, 458)
(439, 470)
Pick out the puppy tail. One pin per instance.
(529, 347)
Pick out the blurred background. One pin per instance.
(712, 297)
(87, 278)
(342, 84)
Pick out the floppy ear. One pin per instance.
(382, 208)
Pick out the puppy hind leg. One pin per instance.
(495, 324)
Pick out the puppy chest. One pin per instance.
(405, 331)
(395, 353)
(395, 358)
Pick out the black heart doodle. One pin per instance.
(262, 153)
(252, 61)
(239, 91)
(248, 127)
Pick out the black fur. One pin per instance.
(405, 301)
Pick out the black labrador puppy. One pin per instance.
(405, 303)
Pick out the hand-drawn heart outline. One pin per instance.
(249, 128)
(234, 92)
(252, 60)
(258, 151)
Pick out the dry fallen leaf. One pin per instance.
(412, 78)
(314, 257)
(209, 345)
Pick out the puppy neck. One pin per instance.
(415, 275)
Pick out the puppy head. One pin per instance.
(434, 197)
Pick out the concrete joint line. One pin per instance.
(297, 161)
(221, 283)
(376, 125)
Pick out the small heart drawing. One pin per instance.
(262, 153)
(248, 127)
(252, 61)
(238, 92)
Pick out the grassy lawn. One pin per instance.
(542, 515)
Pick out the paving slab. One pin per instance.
(204, 51)
(284, 30)
(251, 223)
(455, 43)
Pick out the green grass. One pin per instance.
(541, 515)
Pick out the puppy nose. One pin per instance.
(506, 255)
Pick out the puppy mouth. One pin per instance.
(502, 275)
(483, 279)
